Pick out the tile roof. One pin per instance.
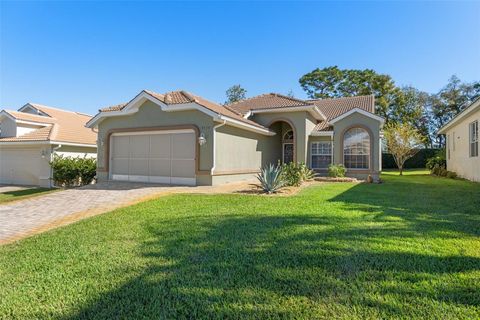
(323, 126)
(333, 108)
(179, 97)
(62, 125)
(267, 101)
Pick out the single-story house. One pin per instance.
(31, 136)
(462, 142)
(181, 138)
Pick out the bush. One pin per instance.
(271, 179)
(451, 175)
(336, 170)
(419, 160)
(69, 171)
(439, 159)
(295, 173)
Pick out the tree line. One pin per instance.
(426, 112)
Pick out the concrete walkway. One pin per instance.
(23, 218)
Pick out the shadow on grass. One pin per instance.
(24, 193)
(281, 266)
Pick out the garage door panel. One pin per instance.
(162, 157)
(120, 145)
(139, 146)
(183, 146)
(120, 166)
(22, 166)
(160, 167)
(183, 168)
(138, 167)
(160, 146)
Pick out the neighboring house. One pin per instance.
(180, 138)
(31, 136)
(462, 142)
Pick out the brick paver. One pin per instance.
(25, 217)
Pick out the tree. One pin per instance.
(403, 142)
(332, 82)
(235, 93)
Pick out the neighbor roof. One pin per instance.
(59, 126)
(181, 97)
(465, 112)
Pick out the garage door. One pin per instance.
(157, 157)
(22, 166)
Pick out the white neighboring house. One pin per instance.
(462, 134)
(31, 136)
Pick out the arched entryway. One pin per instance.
(285, 141)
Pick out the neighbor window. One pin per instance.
(356, 149)
(321, 155)
(474, 139)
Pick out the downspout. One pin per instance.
(214, 144)
(51, 159)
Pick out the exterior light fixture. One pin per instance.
(44, 153)
(202, 140)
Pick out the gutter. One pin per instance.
(214, 144)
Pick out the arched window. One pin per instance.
(356, 149)
(288, 135)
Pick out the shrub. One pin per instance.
(295, 173)
(438, 159)
(69, 171)
(271, 179)
(336, 170)
(451, 174)
(419, 160)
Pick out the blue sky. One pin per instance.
(87, 55)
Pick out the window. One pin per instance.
(453, 141)
(473, 139)
(448, 146)
(356, 149)
(321, 154)
(288, 135)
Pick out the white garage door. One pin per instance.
(158, 157)
(23, 166)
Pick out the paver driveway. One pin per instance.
(25, 217)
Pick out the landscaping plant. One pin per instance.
(336, 170)
(295, 173)
(439, 159)
(271, 178)
(403, 142)
(69, 171)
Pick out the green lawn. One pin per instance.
(22, 194)
(408, 248)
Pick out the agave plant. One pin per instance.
(271, 178)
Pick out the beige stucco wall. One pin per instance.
(301, 120)
(460, 161)
(73, 151)
(150, 115)
(242, 151)
(374, 126)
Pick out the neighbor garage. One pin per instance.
(25, 166)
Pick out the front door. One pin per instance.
(287, 152)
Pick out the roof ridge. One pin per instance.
(339, 98)
(48, 107)
(288, 97)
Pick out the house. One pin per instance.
(31, 136)
(181, 138)
(462, 142)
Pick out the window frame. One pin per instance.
(370, 148)
(473, 138)
(320, 154)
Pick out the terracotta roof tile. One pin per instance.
(323, 126)
(179, 97)
(68, 126)
(333, 108)
(267, 101)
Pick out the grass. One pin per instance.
(408, 248)
(23, 194)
